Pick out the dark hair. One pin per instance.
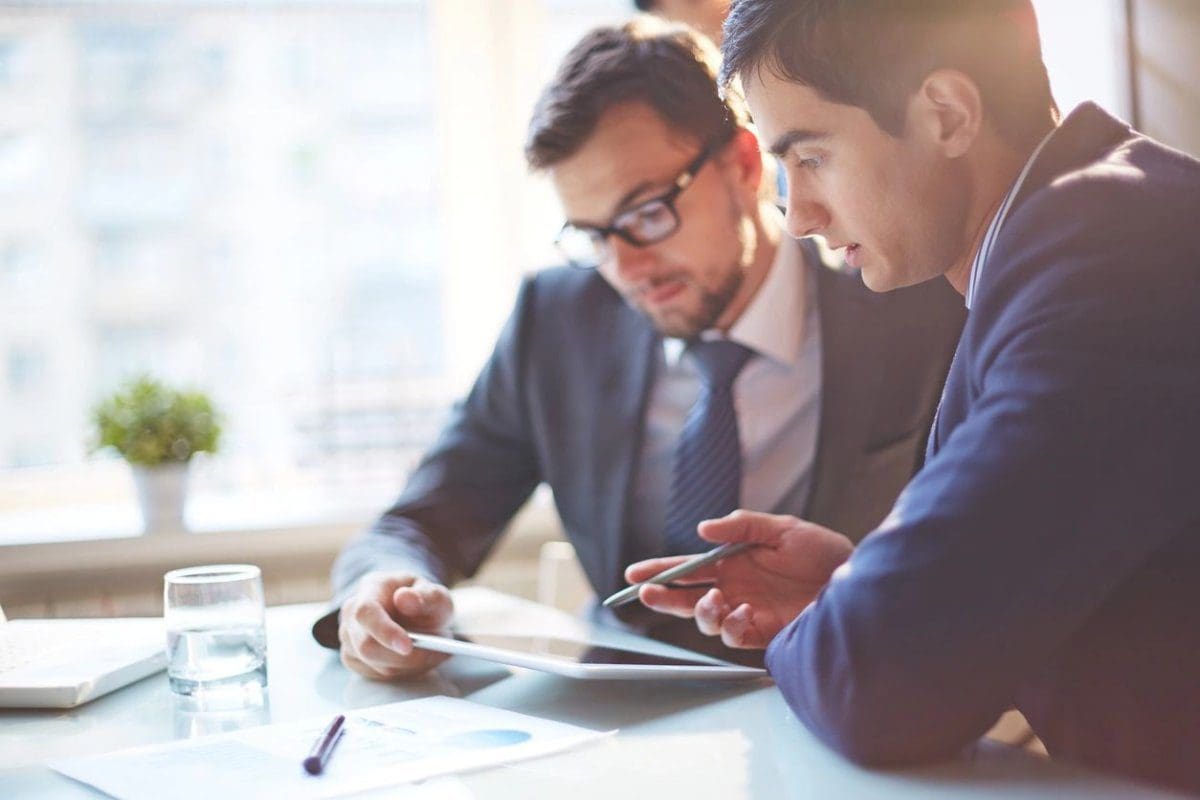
(670, 68)
(874, 54)
(644, 5)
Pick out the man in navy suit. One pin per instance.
(1047, 555)
(596, 379)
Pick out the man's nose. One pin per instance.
(805, 216)
(629, 261)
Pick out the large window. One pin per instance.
(315, 211)
(1085, 47)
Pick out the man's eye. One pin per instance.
(812, 162)
(652, 212)
(645, 221)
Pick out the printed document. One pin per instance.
(382, 746)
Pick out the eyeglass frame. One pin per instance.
(601, 233)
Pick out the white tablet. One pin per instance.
(578, 659)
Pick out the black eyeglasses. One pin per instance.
(586, 246)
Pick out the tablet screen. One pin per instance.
(575, 652)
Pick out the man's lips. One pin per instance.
(852, 253)
(661, 292)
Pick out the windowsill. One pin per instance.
(104, 560)
(206, 514)
(29, 568)
(100, 548)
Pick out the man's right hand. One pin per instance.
(374, 623)
(757, 592)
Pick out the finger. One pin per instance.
(420, 661)
(739, 631)
(438, 602)
(685, 583)
(676, 602)
(382, 585)
(711, 611)
(645, 570)
(379, 656)
(424, 605)
(390, 664)
(374, 621)
(746, 526)
(408, 603)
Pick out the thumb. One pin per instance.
(425, 603)
(752, 527)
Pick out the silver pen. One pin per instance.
(630, 593)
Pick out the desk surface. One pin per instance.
(677, 739)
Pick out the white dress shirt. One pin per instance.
(777, 397)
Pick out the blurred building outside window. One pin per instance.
(316, 211)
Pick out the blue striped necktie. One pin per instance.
(707, 478)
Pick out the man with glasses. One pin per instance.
(693, 359)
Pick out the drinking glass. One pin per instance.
(216, 638)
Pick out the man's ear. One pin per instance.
(947, 111)
(745, 156)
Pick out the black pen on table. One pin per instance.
(322, 748)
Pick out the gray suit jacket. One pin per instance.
(562, 399)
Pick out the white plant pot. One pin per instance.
(162, 491)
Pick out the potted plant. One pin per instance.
(157, 430)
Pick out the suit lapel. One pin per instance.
(851, 369)
(1081, 138)
(624, 388)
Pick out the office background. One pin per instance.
(318, 212)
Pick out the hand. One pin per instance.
(757, 591)
(373, 622)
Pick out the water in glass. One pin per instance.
(216, 639)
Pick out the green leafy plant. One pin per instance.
(149, 423)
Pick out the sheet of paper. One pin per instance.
(383, 746)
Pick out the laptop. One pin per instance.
(63, 663)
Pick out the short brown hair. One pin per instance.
(670, 68)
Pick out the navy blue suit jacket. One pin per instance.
(1048, 553)
(562, 401)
